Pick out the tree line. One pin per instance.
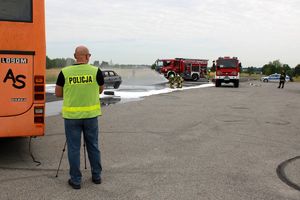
(275, 67)
(62, 62)
(58, 62)
(271, 68)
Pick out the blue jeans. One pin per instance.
(73, 129)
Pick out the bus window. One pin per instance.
(22, 68)
(16, 10)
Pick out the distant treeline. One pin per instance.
(58, 62)
(275, 67)
(272, 68)
(62, 62)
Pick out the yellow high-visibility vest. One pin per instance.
(80, 92)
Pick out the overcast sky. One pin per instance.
(140, 31)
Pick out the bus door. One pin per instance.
(16, 82)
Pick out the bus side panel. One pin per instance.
(16, 86)
(26, 36)
(40, 36)
(22, 125)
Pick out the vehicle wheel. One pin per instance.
(265, 80)
(218, 83)
(236, 83)
(195, 77)
(116, 85)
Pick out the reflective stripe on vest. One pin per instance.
(81, 109)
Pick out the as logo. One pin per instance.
(17, 81)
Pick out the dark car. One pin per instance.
(111, 79)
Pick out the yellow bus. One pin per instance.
(22, 68)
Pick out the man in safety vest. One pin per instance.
(80, 86)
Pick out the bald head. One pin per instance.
(82, 54)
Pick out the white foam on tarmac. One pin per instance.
(54, 108)
(132, 95)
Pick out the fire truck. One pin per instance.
(227, 71)
(188, 69)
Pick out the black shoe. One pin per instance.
(73, 185)
(97, 181)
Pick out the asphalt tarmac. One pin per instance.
(211, 143)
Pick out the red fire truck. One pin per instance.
(227, 71)
(188, 69)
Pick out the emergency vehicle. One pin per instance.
(188, 69)
(227, 71)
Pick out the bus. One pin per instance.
(22, 68)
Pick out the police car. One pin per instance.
(111, 79)
(273, 78)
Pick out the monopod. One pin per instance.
(62, 155)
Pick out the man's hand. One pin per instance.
(101, 87)
(58, 91)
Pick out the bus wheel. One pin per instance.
(195, 77)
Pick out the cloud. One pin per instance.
(256, 30)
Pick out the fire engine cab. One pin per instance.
(227, 71)
(188, 69)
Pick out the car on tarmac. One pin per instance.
(273, 78)
(111, 79)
